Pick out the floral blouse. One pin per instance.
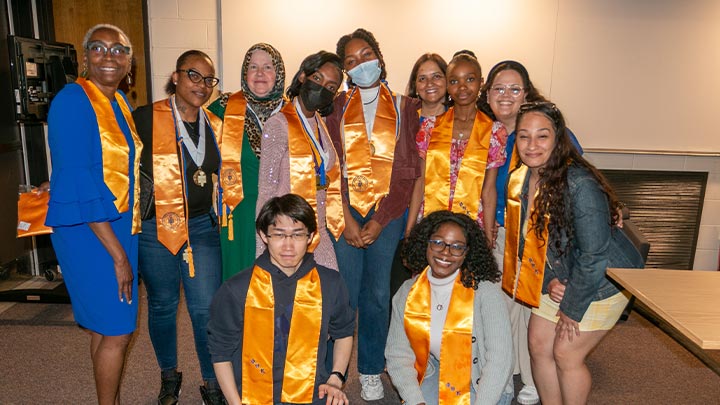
(496, 156)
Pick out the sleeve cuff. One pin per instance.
(77, 196)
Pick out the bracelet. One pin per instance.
(339, 375)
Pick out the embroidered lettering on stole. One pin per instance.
(456, 349)
(169, 180)
(230, 140)
(303, 182)
(369, 162)
(522, 280)
(468, 188)
(258, 341)
(115, 150)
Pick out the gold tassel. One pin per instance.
(191, 264)
(224, 215)
(231, 234)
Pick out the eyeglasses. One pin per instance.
(296, 237)
(537, 105)
(456, 249)
(500, 90)
(196, 77)
(97, 48)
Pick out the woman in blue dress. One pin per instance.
(93, 210)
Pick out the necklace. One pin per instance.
(464, 120)
(441, 302)
(191, 125)
(197, 153)
(374, 98)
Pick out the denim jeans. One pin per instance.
(163, 272)
(367, 275)
(430, 386)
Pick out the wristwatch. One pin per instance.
(340, 375)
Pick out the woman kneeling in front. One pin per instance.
(449, 333)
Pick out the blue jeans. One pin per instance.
(367, 275)
(162, 273)
(430, 386)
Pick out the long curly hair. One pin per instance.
(553, 184)
(479, 264)
(368, 37)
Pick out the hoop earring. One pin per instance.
(129, 79)
(84, 72)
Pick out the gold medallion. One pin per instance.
(359, 183)
(200, 178)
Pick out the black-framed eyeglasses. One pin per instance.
(196, 77)
(296, 237)
(511, 90)
(456, 249)
(97, 48)
(536, 105)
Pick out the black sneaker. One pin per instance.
(212, 396)
(169, 388)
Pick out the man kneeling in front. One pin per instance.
(291, 307)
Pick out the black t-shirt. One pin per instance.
(199, 198)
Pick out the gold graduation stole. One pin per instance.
(468, 188)
(304, 158)
(258, 341)
(514, 157)
(115, 150)
(523, 281)
(169, 180)
(456, 349)
(369, 163)
(231, 140)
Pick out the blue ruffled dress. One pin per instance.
(78, 195)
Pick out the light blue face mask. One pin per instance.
(366, 73)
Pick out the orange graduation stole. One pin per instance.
(169, 180)
(456, 350)
(115, 150)
(258, 341)
(369, 162)
(468, 188)
(230, 140)
(522, 281)
(304, 180)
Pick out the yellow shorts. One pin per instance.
(601, 315)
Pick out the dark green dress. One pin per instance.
(239, 254)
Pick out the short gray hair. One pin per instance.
(108, 27)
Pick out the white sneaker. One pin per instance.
(528, 396)
(371, 387)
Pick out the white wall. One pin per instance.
(175, 27)
(629, 74)
(178, 25)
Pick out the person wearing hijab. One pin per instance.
(244, 114)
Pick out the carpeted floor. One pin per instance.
(44, 360)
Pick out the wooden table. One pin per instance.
(687, 300)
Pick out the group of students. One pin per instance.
(280, 211)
